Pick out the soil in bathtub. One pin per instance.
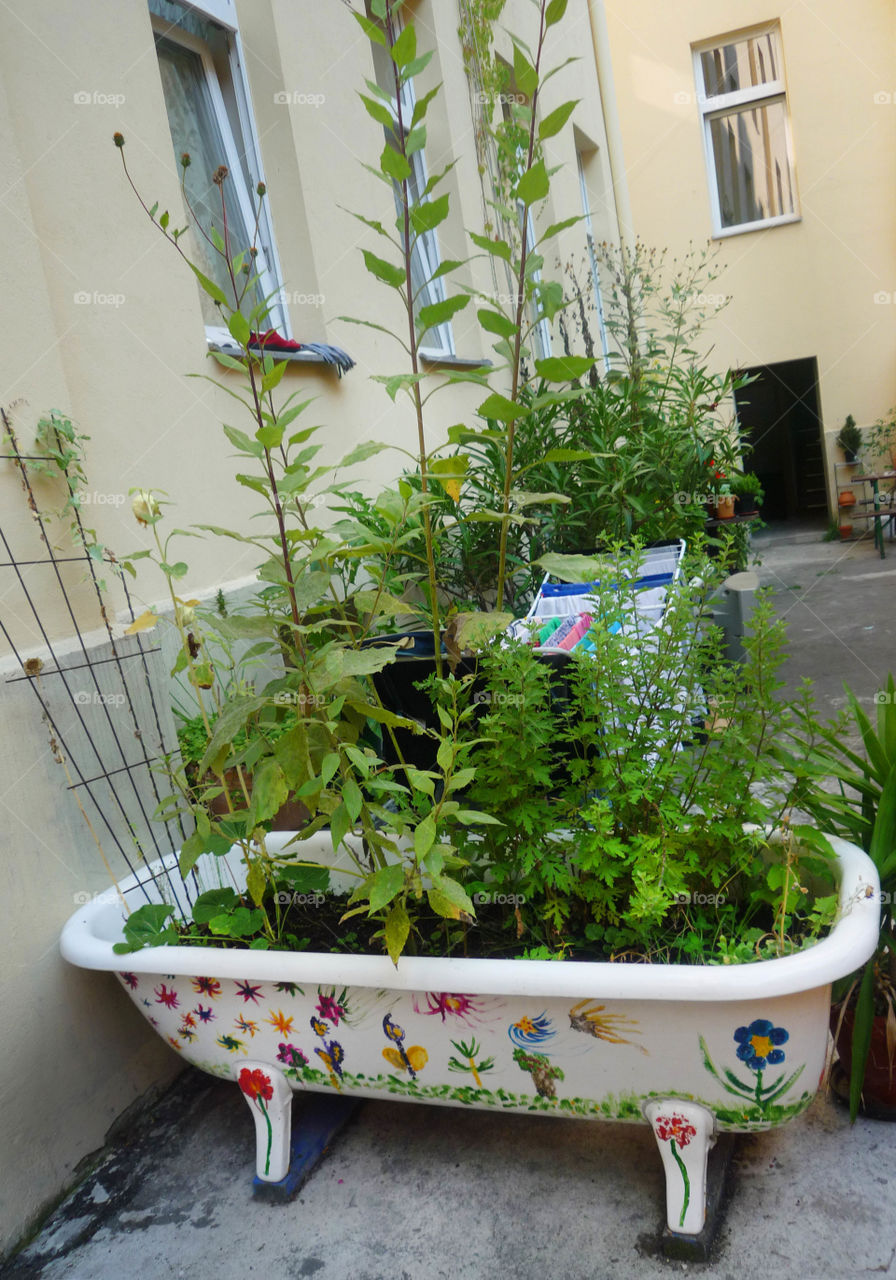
(747, 922)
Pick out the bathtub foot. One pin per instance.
(269, 1096)
(684, 1132)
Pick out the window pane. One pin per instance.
(753, 173)
(743, 64)
(194, 128)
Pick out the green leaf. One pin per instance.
(424, 836)
(212, 903)
(405, 47)
(271, 436)
(439, 312)
(415, 140)
(416, 65)
(454, 893)
(195, 846)
(383, 885)
(329, 767)
(369, 449)
(270, 380)
(554, 12)
(340, 825)
(352, 798)
(421, 781)
(371, 29)
(428, 214)
(570, 568)
(498, 406)
(239, 327)
(554, 122)
(442, 905)
(378, 110)
(497, 248)
(421, 105)
(524, 73)
(269, 790)
(556, 227)
(394, 164)
(450, 472)
(388, 272)
(256, 883)
(563, 368)
(476, 629)
(396, 930)
(861, 1039)
(533, 185)
(146, 927)
(496, 322)
(242, 442)
(216, 294)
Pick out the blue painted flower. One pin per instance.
(529, 1032)
(757, 1044)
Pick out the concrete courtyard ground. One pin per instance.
(425, 1193)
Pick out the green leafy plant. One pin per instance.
(307, 731)
(632, 836)
(850, 438)
(747, 485)
(862, 809)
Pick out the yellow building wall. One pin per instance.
(824, 286)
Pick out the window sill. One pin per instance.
(290, 357)
(454, 362)
(745, 228)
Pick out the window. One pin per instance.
(592, 260)
(437, 342)
(742, 97)
(209, 114)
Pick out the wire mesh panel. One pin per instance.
(99, 692)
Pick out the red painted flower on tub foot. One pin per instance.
(675, 1126)
(255, 1084)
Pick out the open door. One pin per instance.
(779, 416)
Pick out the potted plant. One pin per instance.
(850, 439)
(398, 867)
(864, 810)
(725, 502)
(748, 492)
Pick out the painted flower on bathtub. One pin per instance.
(758, 1047)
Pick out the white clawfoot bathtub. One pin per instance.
(694, 1051)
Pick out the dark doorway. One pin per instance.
(779, 416)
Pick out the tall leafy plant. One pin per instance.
(511, 324)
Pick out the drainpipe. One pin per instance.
(600, 39)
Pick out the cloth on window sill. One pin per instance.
(273, 343)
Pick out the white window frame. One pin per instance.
(440, 344)
(267, 263)
(592, 258)
(715, 106)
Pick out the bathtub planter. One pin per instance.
(694, 1051)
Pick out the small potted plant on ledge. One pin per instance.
(748, 492)
(725, 501)
(850, 439)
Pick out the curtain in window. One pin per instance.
(194, 128)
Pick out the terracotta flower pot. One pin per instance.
(845, 530)
(725, 506)
(879, 1087)
(847, 498)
